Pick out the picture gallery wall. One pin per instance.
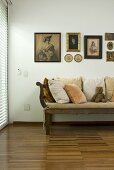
(47, 47)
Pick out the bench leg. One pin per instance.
(47, 123)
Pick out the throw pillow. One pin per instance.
(109, 87)
(112, 99)
(89, 87)
(59, 94)
(75, 94)
(47, 94)
(76, 80)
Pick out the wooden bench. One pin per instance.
(53, 108)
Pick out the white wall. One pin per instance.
(89, 17)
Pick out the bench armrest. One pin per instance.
(41, 97)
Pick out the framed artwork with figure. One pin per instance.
(73, 42)
(92, 46)
(47, 47)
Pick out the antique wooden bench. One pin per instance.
(87, 108)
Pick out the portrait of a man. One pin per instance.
(73, 42)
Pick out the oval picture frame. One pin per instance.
(68, 57)
(78, 58)
(110, 45)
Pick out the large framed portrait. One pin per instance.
(73, 42)
(47, 47)
(92, 47)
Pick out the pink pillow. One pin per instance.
(75, 94)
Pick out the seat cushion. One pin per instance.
(84, 105)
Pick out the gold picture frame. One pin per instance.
(78, 58)
(110, 45)
(68, 57)
(73, 42)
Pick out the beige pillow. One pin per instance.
(75, 94)
(109, 82)
(77, 81)
(112, 99)
(58, 92)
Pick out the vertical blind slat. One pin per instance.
(3, 66)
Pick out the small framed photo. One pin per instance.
(78, 58)
(109, 36)
(47, 47)
(110, 56)
(92, 47)
(110, 45)
(68, 57)
(73, 42)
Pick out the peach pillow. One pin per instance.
(112, 99)
(75, 94)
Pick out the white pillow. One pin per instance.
(59, 94)
(89, 86)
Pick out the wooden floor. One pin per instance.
(67, 148)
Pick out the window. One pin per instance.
(3, 66)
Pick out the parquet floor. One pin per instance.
(67, 148)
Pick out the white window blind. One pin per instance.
(3, 66)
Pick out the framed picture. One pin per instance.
(109, 36)
(110, 56)
(47, 47)
(92, 47)
(68, 57)
(110, 45)
(73, 42)
(78, 58)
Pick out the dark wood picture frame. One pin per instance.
(93, 47)
(47, 47)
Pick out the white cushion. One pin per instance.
(89, 87)
(59, 94)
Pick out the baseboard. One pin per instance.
(70, 123)
(21, 123)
